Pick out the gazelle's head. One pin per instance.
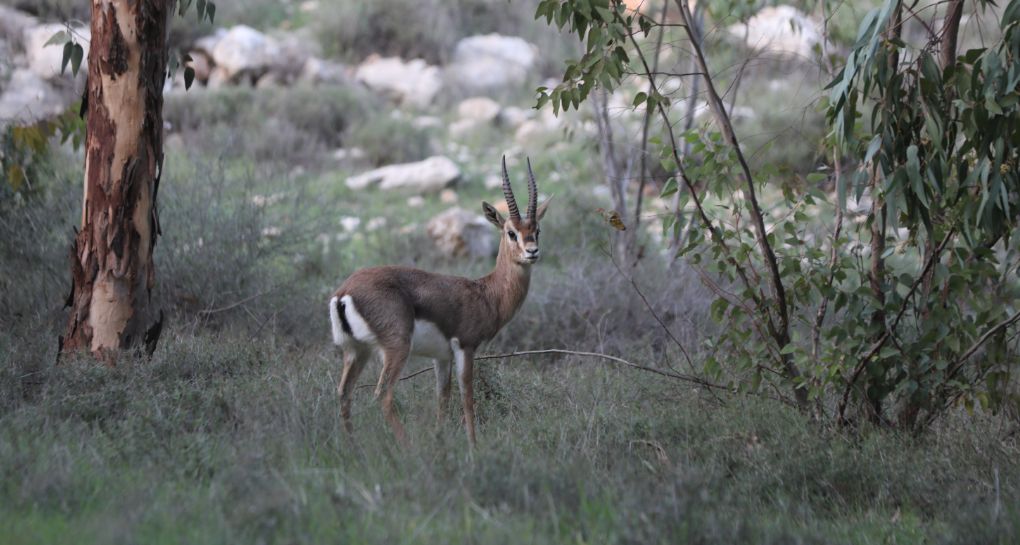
(519, 235)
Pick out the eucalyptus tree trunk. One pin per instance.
(112, 271)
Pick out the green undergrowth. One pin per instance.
(238, 440)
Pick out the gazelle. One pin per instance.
(393, 312)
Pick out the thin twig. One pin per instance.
(234, 305)
(780, 332)
(643, 173)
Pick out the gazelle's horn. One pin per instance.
(508, 193)
(532, 192)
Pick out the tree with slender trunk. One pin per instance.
(112, 270)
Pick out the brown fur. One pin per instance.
(391, 298)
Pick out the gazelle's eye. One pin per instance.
(512, 235)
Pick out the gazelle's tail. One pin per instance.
(337, 321)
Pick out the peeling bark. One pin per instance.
(112, 271)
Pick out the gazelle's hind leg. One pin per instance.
(355, 359)
(443, 369)
(464, 359)
(394, 359)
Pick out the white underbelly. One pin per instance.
(427, 341)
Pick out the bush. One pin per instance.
(404, 28)
(387, 140)
(294, 123)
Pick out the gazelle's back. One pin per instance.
(391, 299)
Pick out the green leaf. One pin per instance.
(58, 38)
(816, 178)
(669, 188)
(68, 49)
(718, 309)
(210, 11)
(77, 53)
(639, 98)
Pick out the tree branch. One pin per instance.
(780, 332)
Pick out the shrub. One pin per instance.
(386, 140)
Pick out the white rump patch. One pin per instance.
(428, 341)
(334, 323)
(359, 327)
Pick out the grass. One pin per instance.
(231, 432)
(239, 440)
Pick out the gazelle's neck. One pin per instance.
(507, 284)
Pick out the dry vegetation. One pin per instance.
(231, 432)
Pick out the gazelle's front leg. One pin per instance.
(443, 368)
(464, 359)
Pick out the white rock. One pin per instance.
(29, 98)
(513, 117)
(206, 44)
(375, 224)
(44, 59)
(350, 223)
(415, 201)
(343, 154)
(482, 109)
(463, 127)
(448, 196)
(294, 50)
(457, 232)
(493, 181)
(413, 82)
(491, 63)
(431, 175)
(201, 64)
(244, 49)
(784, 30)
(218, 78)
(316, 70)
(542, 128)
(262, 201)
(13, 24)
(426, 122)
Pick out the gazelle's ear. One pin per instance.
(541, 209)
(493, 215)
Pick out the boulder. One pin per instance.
(428, 176)
(44, 59)
(29, 97)
(481, 109)
(783, 30)
(207, 44)
(459, 233)
(448, 196)
(491, 63)
(316, 70)
(411, 82)
(218, 77)
(473, 113)
(12, 26)
(513, 116)
(294, 50)
(201, 64)
(542, 128)
(243, 49)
